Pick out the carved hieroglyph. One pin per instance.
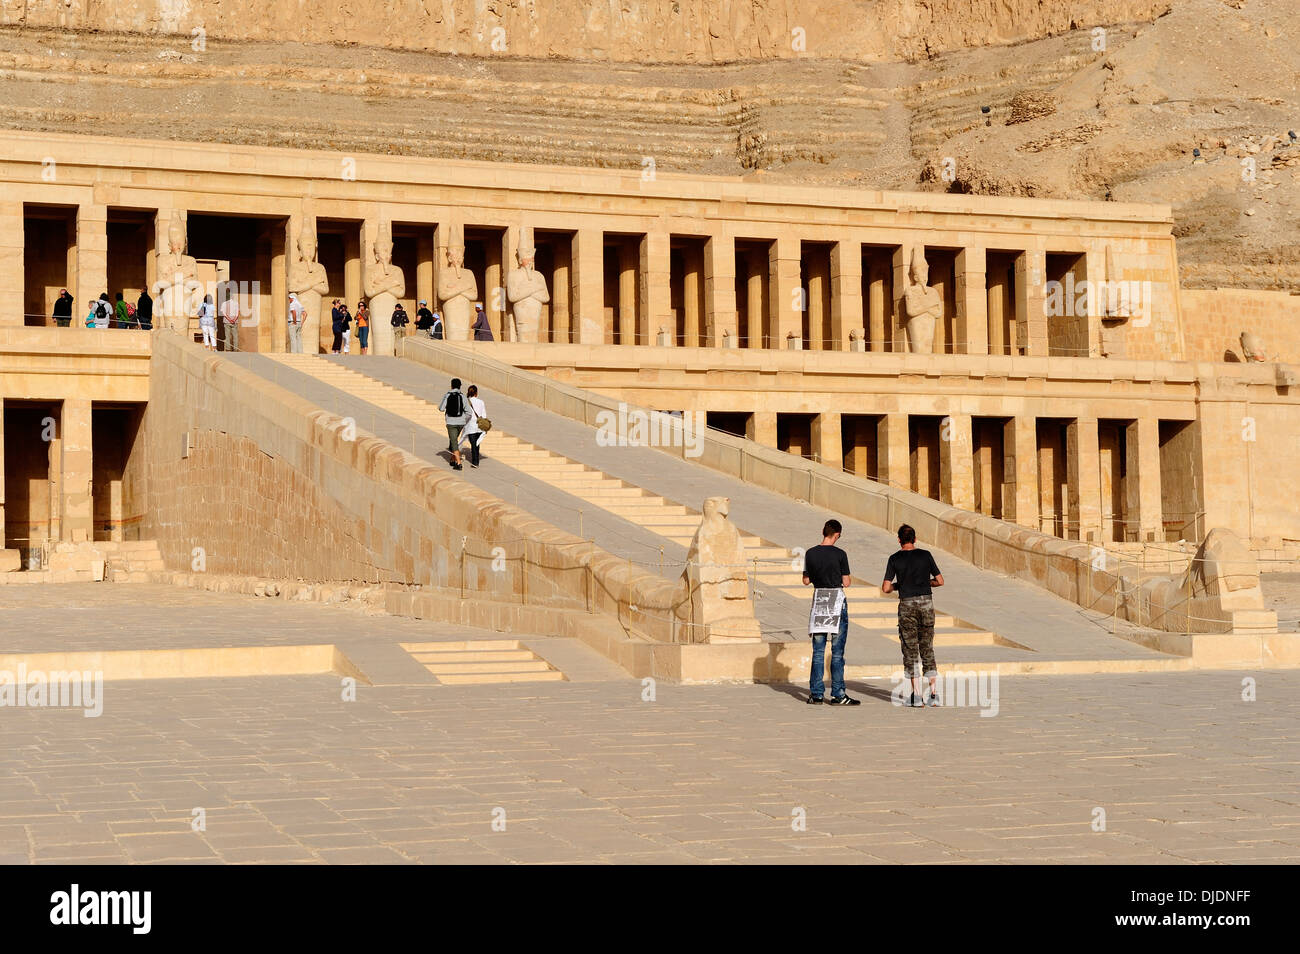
(526, 289)
(457, 287)
(721, 607)
(922, 305)
(308, 280)
(384, 284)
(177, 276)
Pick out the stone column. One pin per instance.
(719, 290)
(1142, 481)
(1031, 320)
(628, 265)
(996, 310)
(655, 296)
(878, 306)
(894, 452)
(589, 286)
(425, 256)
(1020, 472)
(783, 280)
(13, 279)
(76, 472)
(756, 273)
(273, 321)
(353, 250)
(2, 470)
(1095, 267)
(956, 462)
(819, 281)
(972, 322)
(762, 428)
(92, 255)
(846, 292)
(1083, 461)
(827, 442)
(492, 294)
(561, 280)
(692, 283)
(902, 260)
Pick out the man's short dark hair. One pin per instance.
(906, 534)
(455, 384)
(832, 527)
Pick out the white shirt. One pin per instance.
(207, 314)
(295, 312)
(471, 427)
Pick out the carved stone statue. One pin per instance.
(1116, 309)
(1223, 566)
(457, 288)
(177, 276)
(1252, 347)
(923, 306)
(721, 606)
(308, 280)
(384, 284)
(526, 289)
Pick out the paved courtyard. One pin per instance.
(285, 770)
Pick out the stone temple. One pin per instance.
(694, 362)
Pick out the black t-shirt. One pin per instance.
(826, 566)
(424, 319)
(911, 572)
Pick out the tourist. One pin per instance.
(482, 330)
(120, 317)
(296, 315)
(103, 311)
(345, 319)
(63, 309)
(456, 409)
(474, 431)
(363, 326)
(826, 567)
(208, 323)
(336, 325)
(230, 318)
(131, 321)
(435, 329)
(399, 322)
(423, 318)
(144, 310)
(912, 573)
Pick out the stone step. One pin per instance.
(482, 668)
(449, 679)
(471, 656)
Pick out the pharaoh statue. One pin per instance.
(384, 284)
(526, 289)
(922, 305)
(721, 607)
(1252, 347)
(457, 288)
(177, 274)
(308, 280)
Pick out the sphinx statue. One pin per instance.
(721, 606)
(1252, 347)
(307, 279)
(526, 289)
(384, 284)
(457, 287)
(922, 305)
(177, 274)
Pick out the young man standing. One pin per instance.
(913, 572)
(296, 314)
(826, 566)
(456, 409)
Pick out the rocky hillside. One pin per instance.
(1077, 107)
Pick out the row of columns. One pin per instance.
(66, 444)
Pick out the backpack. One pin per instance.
(101, 310)
(455, 404)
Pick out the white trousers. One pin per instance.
(210, 335)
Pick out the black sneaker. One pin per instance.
(934, 699)
(845, 701)
(916, 702)
(814, 700)
(457, 467)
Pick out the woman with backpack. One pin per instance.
(456, 409)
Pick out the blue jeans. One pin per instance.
(816, 685)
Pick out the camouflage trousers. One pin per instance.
(916, 633)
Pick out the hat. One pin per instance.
(423, 302)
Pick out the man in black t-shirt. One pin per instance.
(826, 566)
(912, 573)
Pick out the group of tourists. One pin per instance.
(342, 321)
(103, 313)
(912, 573)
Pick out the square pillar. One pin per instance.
(996, 304)
(1031, 319)
(1142, 481)
(628, 299)
(878, 305)
(589, 286)
(902, 262)
(1083, 463)
(75, 472)
(956, 462)
(1020, 472)
(92, 255)
(846, 292)
(972, 322)
(719, 290)
(1094, 268)
(655, 313)
(759, 333)
(12, 275)
(894, 452)
(692, 289)
(784, 316)
(815, 303)
(827, 443)
(425, 256)
(561, 283)
(762, 428)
